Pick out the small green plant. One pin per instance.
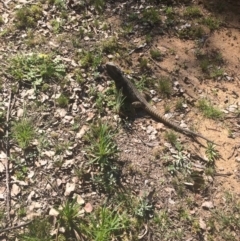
(164, 86)
(208, 110)
(210, 64)
(105, 225)
(60, 4)
(151, 15)
(90, 59)
(204, 64)
(37, 230)
(181, 163)
(171, 137)
(179, 105)
(216, 72)
(143, 208)
(104, 148)
(167, 108)
(1, 21)
(192, 12)
(62, 101)
(132, 17)
(27, 17)
(119, 101)
(23, 132)
(212, 23)
(21, 212)
(162, 220)
(128, 28)
(169, 12)
(210, 171)
(110, 46)
(224, 221)
(21, 172)
(156, 54)
(193, 32)
(69, 216)
(101, 154)
(98, 4)
(211, 153)
(143, 62)
(148, 38)
(35, 69)
(100, 102)
(61, 147)
(56, 25)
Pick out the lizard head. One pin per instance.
(115, 73)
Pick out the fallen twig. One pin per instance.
(8, 192)
(14, 227)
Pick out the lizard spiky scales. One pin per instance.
(132, 93)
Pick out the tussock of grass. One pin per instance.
(208, 110)
(23, 132)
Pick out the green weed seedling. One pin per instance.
(27, 17)
(208, 110)
(171, 137)
(224, 221)
(21, 172)
(163, 221)
(169, 12)
(57, 25)
(192, 12)
(151, 15)
(211, 153)
(164, 86)
(69, 217)
(102, 154)
(120, 100)
(148, 38)
(36, 69)
(99, 5)
(156, 54)
(37, 230)
(143, 208)
(181, 163)
(62, 101)
(211, 23)
(60, 4)
(23, 132)
(105, 224)
(143, 62)
(1, 21)
(110, 46)
(22, 212)
(90, 59)
(179, 105)
(193, 32)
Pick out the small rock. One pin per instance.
(15, 190)
(20, 113)
(153, 92)
(61, 112)
(53, 212)
(59, 182)
(70, 187)
(80, 200)
(208, 205)
(202, 224)
(237, 159)
(88, 208)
